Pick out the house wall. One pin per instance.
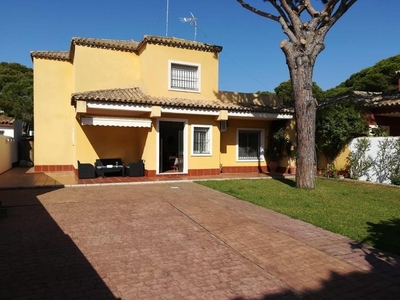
(131, 144)
(228, 146)
(60, 139)
(154, 63)
(54, 115)
(392, 122)
(94, 142)
(99, 69)
(340, 163)
(204, 162)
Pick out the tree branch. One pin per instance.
(279, 9)
(327, 11)
(286, 30)
(297, 24)
(282, 19)
(258, 12)
(325, 27)
(310, 9)
(344, 6)
(318, 20)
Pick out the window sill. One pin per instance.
(182, 90)
(250, 160)
(201, 154)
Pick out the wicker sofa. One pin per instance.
(86, 170)
(135, 169)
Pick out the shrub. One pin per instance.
(359, 162)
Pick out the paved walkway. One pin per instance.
(175, 240)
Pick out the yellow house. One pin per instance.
(155, 100)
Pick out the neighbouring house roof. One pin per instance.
(6, 121)
(381, 101)
(369, 100)
(124, 45)
(136, 96)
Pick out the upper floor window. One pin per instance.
(184, 76)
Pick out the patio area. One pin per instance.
(175, 240)
(20, 177)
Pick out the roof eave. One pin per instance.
(174, 42)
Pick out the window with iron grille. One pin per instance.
(201, 140)
(184, 77)
(250, 144)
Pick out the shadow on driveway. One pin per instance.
(37, 259)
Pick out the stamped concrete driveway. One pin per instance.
(175, 241)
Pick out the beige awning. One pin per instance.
(115, 121)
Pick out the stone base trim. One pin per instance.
(191, 172)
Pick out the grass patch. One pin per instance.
(368, 213)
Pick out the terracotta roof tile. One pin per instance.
(382, 101)
(52, 55)
(136, 96)
(121, 45)
(369, 100)
(6, 121)
(179, 43)
(124, 45)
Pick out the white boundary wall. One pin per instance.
(373, 176)
(8, 153)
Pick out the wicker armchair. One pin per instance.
(135, 169)
(86, 170)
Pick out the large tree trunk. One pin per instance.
(305, 112)
(306, 41)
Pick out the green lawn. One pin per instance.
(369, 213)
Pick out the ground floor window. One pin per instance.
(201, 139)
(250, 144)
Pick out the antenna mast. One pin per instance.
(192, 21)
(166, 25)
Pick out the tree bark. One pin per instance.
(305, 112)
(301, 72)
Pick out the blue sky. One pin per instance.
(251, 59)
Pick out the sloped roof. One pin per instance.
(369, 100)
(136, 96)
(6, 121)
(52, 55)
(380, 100)
(179, 43)
(124, 45)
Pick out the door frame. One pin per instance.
(185, 144)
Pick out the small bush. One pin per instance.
(395, 180)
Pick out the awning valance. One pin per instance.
(115, 121)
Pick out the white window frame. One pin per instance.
(209, 137)
(188, 64)
(261, 130)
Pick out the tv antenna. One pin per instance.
(166, 20)
(192, 21)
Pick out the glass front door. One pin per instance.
(171, 147)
